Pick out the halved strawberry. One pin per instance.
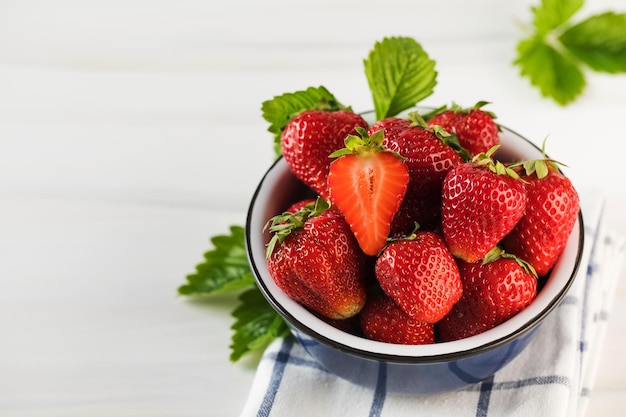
(367, 184)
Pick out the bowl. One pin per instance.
(408, 369)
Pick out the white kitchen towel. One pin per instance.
(551, 377)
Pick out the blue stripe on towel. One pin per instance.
(539, 380)
(471, 379)
(486, 387)
(569, 300)
(277, 376)
(589, 277)
(380, 392)
(298, 361)
(527, 382)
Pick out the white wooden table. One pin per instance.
(131, 132)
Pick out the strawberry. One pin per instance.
(314, 258)
(392, 126)
(482, 201)
(420, 275)
(429, 155)
(310, 137)
(367, 184)
(475, 128)
(551, 210)
(493, 291)
(383, 320)
(300, 204)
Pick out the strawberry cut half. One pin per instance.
(367, 184)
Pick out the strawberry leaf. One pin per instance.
(599, 42)
(554, 55)
(256, 324)
(225, 267)
(281, 109)
(555, 74)
(551, 14)
(400, 74)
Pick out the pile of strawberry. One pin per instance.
(418, 234)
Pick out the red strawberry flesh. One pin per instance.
(368, 188)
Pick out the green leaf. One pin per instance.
(400, 74)
(551, 14)
(225, 267)
(281, 109)
(599, 42)
(256, 324)
(556, 75)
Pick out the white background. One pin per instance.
(131, 132)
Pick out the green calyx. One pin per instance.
(447, 138)
(283, 224)
(452, 140)
(499, 253)
(409, 236)
(457, 108)
(485, 159)
(363, 144)
(417, 119)
(480, 105)
(540, 167)
(434, 112)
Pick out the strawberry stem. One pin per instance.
(499, 253)
(435, 112)
(363, 144)
(485, 159)
(410, 236)
(447, 138)
(539, 166)
(417, 119)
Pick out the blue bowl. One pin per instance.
(409, 369)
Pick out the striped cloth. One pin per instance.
(552, 377)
